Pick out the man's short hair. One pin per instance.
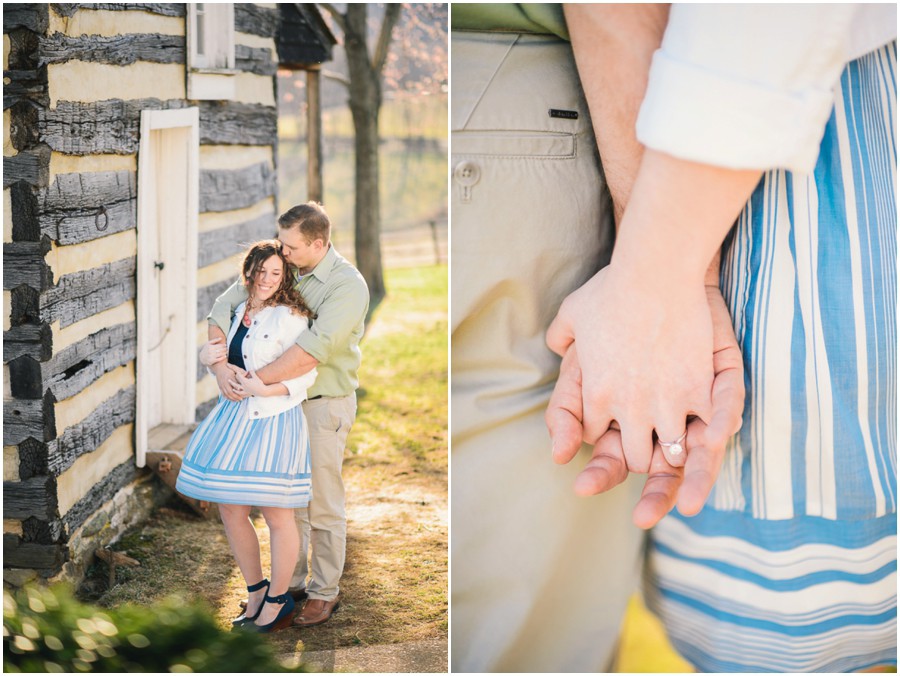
(310, 219)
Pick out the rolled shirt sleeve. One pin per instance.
(746, 86)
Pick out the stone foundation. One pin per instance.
(130, 506)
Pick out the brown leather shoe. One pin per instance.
(316, 611)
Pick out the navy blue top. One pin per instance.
(235, 355)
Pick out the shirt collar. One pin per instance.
(324, 267)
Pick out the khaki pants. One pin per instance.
(540, 577)
(323, 525)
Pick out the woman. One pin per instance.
(255, 452)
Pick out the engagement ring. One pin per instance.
(674, 447)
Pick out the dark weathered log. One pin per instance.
(120, 50)
(23, 263)
(43, 532)
(120, 477)
(26, 380)
(233, 123)
(217, 245)
(81, 207)
(25, 85)
(23, 201)
(47, 559)
(254, 60)
(250, 18)
(31, 15)
(166, 9)
(33, 457)
(87, 435)
(114, 126)
(26, 306)
(82, 294)
(111, 126)
(29, 166)
(228, 189)
(79, 365)
(23, 50)
(76, 296)
(207, 296)
(31, 340)
(24, 418)
(24, 125)
(33, 497)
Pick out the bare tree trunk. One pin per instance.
(365, 104)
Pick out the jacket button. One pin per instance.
(245, 356)
(266, 336)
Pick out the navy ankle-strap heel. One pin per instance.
(283, 619)
(244, 618)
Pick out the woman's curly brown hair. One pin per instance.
(285, 294)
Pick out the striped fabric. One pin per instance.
(800, 595)
(234, 459)
(792, 564)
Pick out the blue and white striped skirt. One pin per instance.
(792, 565)
(234, 459)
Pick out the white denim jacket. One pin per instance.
(273, 331)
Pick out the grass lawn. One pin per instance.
(395, 584)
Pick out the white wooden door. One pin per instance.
(168, 187)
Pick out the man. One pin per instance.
(337, 293)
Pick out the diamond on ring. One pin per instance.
(674, 447)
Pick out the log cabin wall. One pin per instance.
(77, 77)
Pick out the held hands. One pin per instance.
(226, 378)
(248, 384)
(645, 345)
(666, 486)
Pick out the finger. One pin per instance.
(728, 407)
(637, 442)
(671, 433)
(606, 469)
(700, 472)
(563, 416)
(660, 491)
(597, 419)
(559, 334)
(229, 394)
(699, 403)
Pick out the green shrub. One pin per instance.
(47, 630)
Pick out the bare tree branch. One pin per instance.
(339, 18)
(391, 16)
(335, 76)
